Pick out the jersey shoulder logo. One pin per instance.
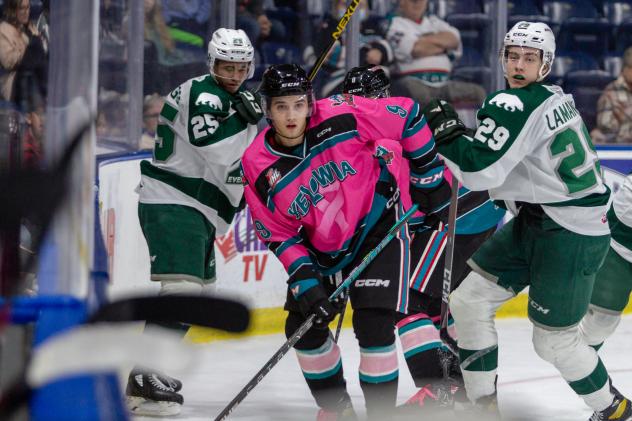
(384, 154)
(507, 101)
(210, 100)
(340, 99)
(273, 176)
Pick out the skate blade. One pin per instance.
(142, 406)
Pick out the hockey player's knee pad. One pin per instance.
(180, 287)
(554, 345)
(566, 350)
(374, 327)
(598, 324)
(473, 306)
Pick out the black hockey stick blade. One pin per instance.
(214, 312)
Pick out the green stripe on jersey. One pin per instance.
(199, 189)
(169, 112)
(595, 199)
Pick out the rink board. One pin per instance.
(246, 270)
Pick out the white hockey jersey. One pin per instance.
(620, 220)
(402, 35)
(199, 143)
(532, 146)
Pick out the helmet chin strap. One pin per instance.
(276, 132)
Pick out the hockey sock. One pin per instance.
(421, 343)
(378, 379)
(322, 369)
(473, 305)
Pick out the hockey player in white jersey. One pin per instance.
(613, 283)
(532, 151)
(192, 188)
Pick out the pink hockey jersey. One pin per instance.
(314, 205)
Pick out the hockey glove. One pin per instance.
(312, 299)
(248, 106)
(443, 120)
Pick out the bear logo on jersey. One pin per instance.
(507, 101)
(209, 100)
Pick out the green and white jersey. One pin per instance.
(531, 145)
(199, 143)
(620, 220)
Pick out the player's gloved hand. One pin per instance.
(313, 299)
(443, 120)
(248, 106)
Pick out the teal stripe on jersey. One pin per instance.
(306, 162)
(418, 153)
(287, 244)
(411, 130)
(199, 189)
(479, 219)
(298, 263)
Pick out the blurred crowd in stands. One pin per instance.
(430, 48)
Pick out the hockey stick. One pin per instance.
(114, 348)
(307, 324)
(218, 313)
(341, 317)
(342, 24)
(447, 270)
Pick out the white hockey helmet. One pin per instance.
(535, 35)
(231, 45)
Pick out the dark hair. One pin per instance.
(10, 11)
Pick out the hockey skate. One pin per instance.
(435, 398)
(619, 410)
(485, 408)
(345, 413)
(152, 393)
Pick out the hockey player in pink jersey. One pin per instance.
(324, 186)
(433, 368)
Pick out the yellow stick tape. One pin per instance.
(266, 321)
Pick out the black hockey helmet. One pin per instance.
(285, 80)
(368, 81)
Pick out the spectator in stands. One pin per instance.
(32, 141)
(151, 110)
(157, 32)
(374, 48)
(251, 17)
(614, 108)
(188, 15)
(425, 47)
(22, 54)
